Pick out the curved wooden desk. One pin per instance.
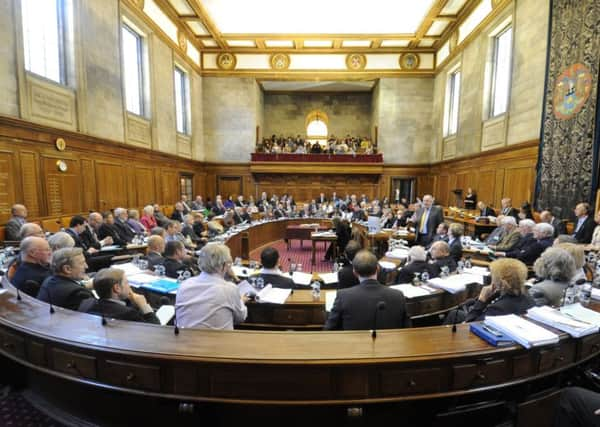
(68, 351)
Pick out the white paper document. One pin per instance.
(273, 295)
(329, 278)
(526, 333)
(242, 271)
(129, 268)
(581, 313)
(561, 321)
(397, 253)
(455, 283)
(110, 248)
(329, 300)
(387, 265)
(596, 293)
(165, 313)
(301, 278)
(411, 291)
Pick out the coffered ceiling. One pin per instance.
(312, 26)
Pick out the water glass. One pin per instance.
(460, 266)
(417, 279)
(260, 283)
(293, 267)
(585, 293)
(136, 259)
(179, 276)
(424, 276)
(445, 271)
(299, 267)
(143, 264)
(237, 261)
(159, 270)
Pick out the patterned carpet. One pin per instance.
(16, 411)
(298, 255)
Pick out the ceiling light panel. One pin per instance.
(356, 43)
(279, 43)
(318, 43)
(426, 43)
(209, 43)
(197, 28)
(241, 43)
(315, 16)
(394, 43)
(182, 7)
(453, 7)
(158, 16)
(437, 28)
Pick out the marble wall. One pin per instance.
(9, 95)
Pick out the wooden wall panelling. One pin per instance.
(229, 186)
(518, 184)
(88, 185)
(111, 185)
(62, 189)
(499, 188)
(170, 186)
(145, 186)
(442, 190)
(7, 184)
(131, 187)
(30, 182)
(485, 186)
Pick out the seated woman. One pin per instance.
(556, 268)
(506, 294)
(578, 255)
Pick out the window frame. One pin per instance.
(185, 99)
(452, 104)
(494, 74)
(140, 46)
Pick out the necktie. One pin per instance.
(423, 221)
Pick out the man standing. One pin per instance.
(426, 220)
(369, 305)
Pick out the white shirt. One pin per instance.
(208, 301)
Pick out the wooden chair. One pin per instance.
(52, 225)
(168, 210)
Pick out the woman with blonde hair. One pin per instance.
(506, 294)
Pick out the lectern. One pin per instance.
(458, 195)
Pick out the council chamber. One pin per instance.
(343, 212)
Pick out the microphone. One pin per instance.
(175, 327)
(379, 307)
(50, 300)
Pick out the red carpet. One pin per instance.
(298, 255)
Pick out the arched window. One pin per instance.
(316, 128)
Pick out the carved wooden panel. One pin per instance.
(111, 185)
(145, 186)
(30, 180)
(63, 189)
(7, 184)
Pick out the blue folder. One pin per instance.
(491, 335)
(162, 286)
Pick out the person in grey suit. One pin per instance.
(369, 305)
(426, 220)
(13, 226)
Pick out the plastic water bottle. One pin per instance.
(570, 294)
(417, 279)
(260, 283)
(445, 271)
(468, 263)
(424, 277)
(316, 290)
(585, 293)
(460, 266)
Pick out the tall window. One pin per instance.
(133, 69)
(501, 72)
(452, 103)
(182, 101)
(316, 128)
(44, 28)
(186, 185)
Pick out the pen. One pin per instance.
(491, 331)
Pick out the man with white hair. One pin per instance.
(511, 235)
(208, 301)
(535, 239)
(125, 231)
(31, 229)
(416, 262)
(34, 267)
(60, 240)
(89, 235)
(426, 220)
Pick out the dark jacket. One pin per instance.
(487, 211)
(12, 229)
(154, 259)
(456, 249)
(407, 273)
(125, 231)
(435, 268)
(530, 250)
(346, 277)
(106, 230)
(114, 310)
(277, 280)
(435, 218)
(63, 292)
(29, 273)
(505, 304)
(510, 212)
(89, 238)
(586, 231)
(79, 242)
(177, 215)
(172, 266)
(357, 308)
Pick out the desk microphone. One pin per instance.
(379, 307)
(50, 300)
(175, 327)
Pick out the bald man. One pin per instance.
(156, 247)
(31, 229)
(89, 235)
(34, 267)
(13, 226)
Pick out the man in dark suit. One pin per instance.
(89, 235)
(76, 228)
(485, 210)
(584, 227)
(533, 243)
(559, 226)
(34, 267)
(156, 247)
(441, 234)
(508, 210)
(346, 276)
(426, 220)
(455, 232)
(270, 272)
(125, 231)
(416, 262)
(440, 254)
(114, 291)
(174, 256)
(13, 226)
(322, 199)
(63, 288)
(370, 304)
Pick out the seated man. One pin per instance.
(440, 255)
(525, 230)
(548, 217)
(174, 256)
(209, 301)
(63, 288)
(188, 230)
(270, 273)
(511, 235)
(455, 232)
(542, 239)
(485, 210)
(13, 226)
(156, 247)
(416, 262)
(125, 230)
(34, 266)
(441, 234)
(114, 291)
(60, 240)
(346, 276)
(108, 229)
(585, 224)
(75, 230)
(370, 304)
(31, 229)
(89, 236)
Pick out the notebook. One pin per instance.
(163, 286)
(491, 335)
(526, 333)
(562, 321)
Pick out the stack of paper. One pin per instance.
(479, 271)
(329, 278)
(596, 293)
(397, 253)
(242, 271)
(110, 248)
(455, 283)
(581, 313)
(329, 300)
(301, 278)
(273, 295)
(129, 268)
(411, 291)
(387, 265)
(561, 321)
(526, 333)
(165, 313)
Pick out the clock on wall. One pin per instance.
(60, 144)
(61, 165)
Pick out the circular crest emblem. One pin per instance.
(356, 61)
(226, 61)
(571, 91)
(182, 41)
(280, 61)
(409, 61)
